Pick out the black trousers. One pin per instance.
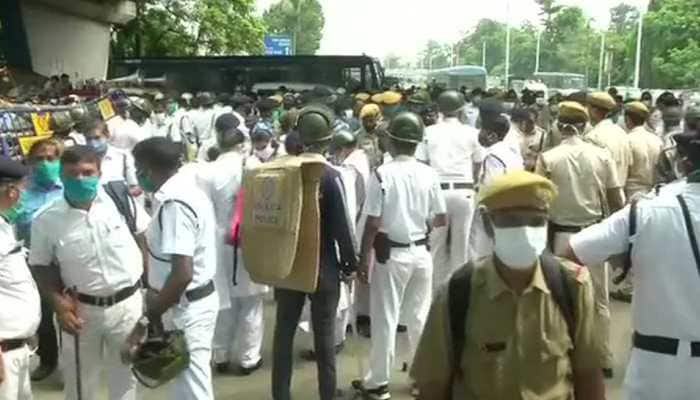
(48, 342)
(324, 304)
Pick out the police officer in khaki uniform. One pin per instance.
(586, 177)
(367, 135)
(509, 336)
(646, 148)
(608, 134)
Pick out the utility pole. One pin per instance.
(638, 62)
(600, 66)
(537, 56)
(483, 54)
(507, 69)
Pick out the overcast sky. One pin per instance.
(402, 27)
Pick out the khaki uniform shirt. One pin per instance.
(369, 142)
(516, 345)
(646, 148)
(614, 138)
(582, 172)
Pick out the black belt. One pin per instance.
(662, 345)
(200, 292)
(568, 228)
(12, 344)
(456, 186)
(421, 242)
(109, 301)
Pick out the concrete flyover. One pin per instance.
(62, 36)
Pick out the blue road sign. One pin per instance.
(279, 45)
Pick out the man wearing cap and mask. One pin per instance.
(527, 135)
(91, 273)
(589, 190)
(116, 164)
(646, 148)
(314, 127)
(368, 136)
(240, 319)
(404, 198)
(519, 324)
(20, 312)
(131, 124)
(665, 262)
(391, 104)
(608, 134)
(453, 150)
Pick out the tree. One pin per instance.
(436, 55)
(392, 61)
(623, 18)
(301, 18)
(190, 27)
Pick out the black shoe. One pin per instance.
(608, 373)
(363, 326)
(42, 372)
(247, 371)
(310, 355)
(401, 329)
(619, 295)
(380, 393)
(222, 368)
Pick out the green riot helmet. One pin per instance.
(61, 122)
(450, 101)
(343, 138)
(407, 127)
(314, 124)
(161, 358)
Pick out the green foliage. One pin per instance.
(190, 27)
(301, 18)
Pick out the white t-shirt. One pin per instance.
(452, 149)
(118, 165)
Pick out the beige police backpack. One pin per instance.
(281, 230)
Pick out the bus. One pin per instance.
(562, 81)
(230, 73)
(469, 76)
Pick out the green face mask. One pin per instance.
(145, 182)
(80, 190)
(13, 213)
(47, 173)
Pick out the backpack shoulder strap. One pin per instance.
(160, 210)
(558, 283)
(690, 230)
(118, 191)
(632, 230)
(458, 294)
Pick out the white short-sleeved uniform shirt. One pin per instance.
(664, 273)
(118, 165)
(500, 158)
(20, 306)
(452, 149)
(183, 224)
(124, 133)
(408, 197)
(94, 250)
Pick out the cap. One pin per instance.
(377, 98)
(637, 108)
(11, 169)
(186, 96)
(277, 98)
(602, 100)
(420, 98)
(344, 138)
(370, 111)
(362, 96)
(260, 134)
(518, 189)
(572, 112)
(391, 98)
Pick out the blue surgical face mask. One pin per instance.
(99, 145)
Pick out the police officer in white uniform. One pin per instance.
(403, 198)
(20, 310)
(240, 317)
(116, 164)
(453, 150)
(181, 240)
(90, 266)
(665, 261)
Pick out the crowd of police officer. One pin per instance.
(128, 223)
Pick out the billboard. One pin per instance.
(279, 45)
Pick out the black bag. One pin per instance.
(118, 191)
(459, 291)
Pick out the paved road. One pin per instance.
(256, 387)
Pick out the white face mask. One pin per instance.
(265, 154)
(518, 247)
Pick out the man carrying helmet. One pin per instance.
(314, 127)
(453, 150)
(403, 198)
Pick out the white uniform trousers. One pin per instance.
(103, 336)
(600, 277)
(401, 286)
(450, 244)
(239, 331)
(198, 320)
(16, 385)
(652, 376)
